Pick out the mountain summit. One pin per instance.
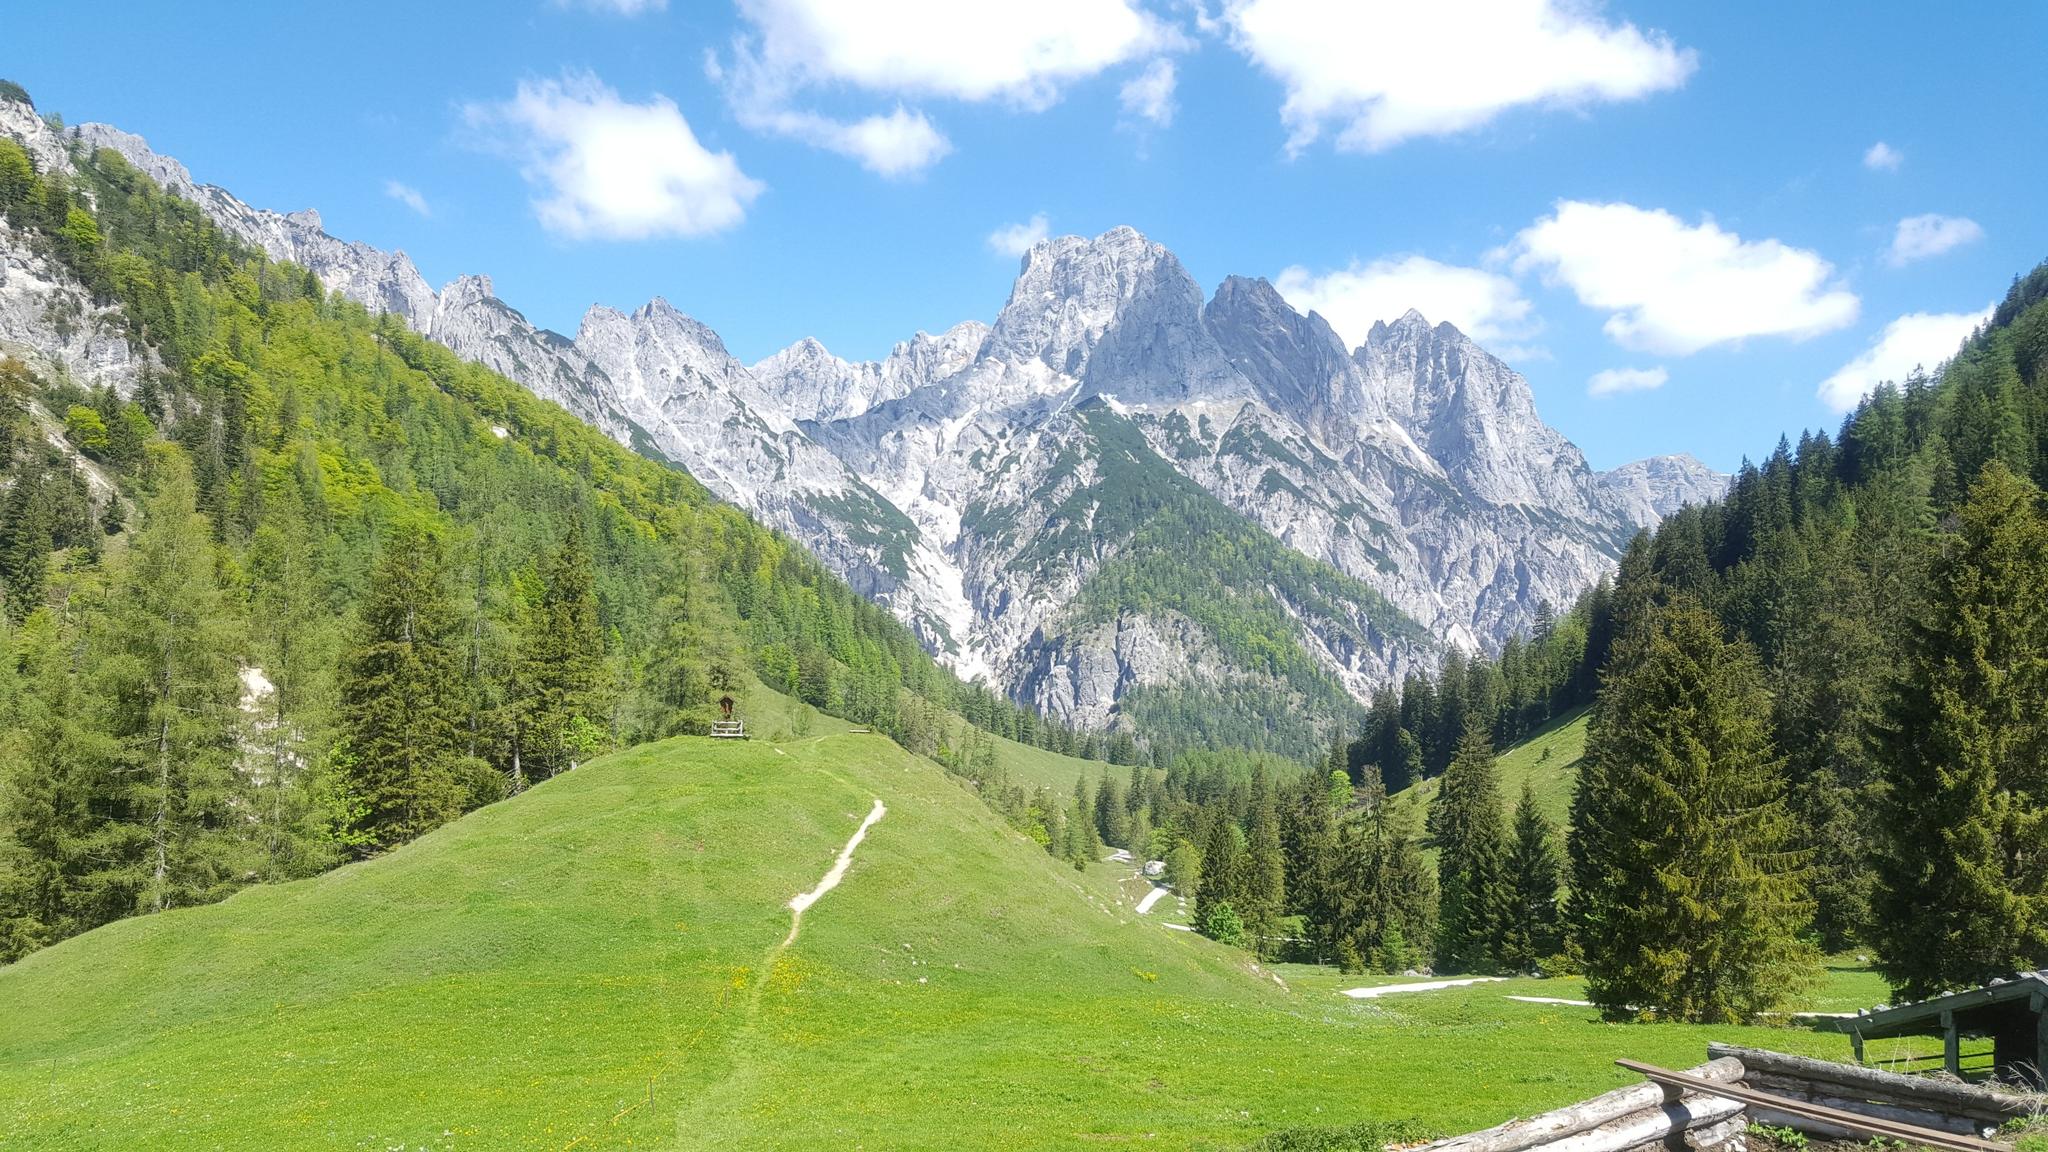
(1119, 498)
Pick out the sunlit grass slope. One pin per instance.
(1547, 761)
(600, 964)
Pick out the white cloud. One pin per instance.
(1484, 305)
(1149, 95)
(1021, 52)
(1674, 288)
(614, 169)
(1919, 237)
(1385, 71)
(1882, 157)
(616, 7)
(1614, 381)
(407, 195)
(1017, 239)
(903, 143)
(1918, 340)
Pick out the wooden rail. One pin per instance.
(1646, 1111)
(1851, 1121)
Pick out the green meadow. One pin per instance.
(603, 962)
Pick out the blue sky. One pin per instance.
(1679, 201)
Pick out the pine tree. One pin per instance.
(1223, 869)
(1084, 844)
(169, 682)
(1112, 820)
(1687, 896)
(66, 864)
(1965, 754)
(560, 674)
(1472, 884)
(400, 699)
(24, 543)
(1534, 870)
(1265, 891)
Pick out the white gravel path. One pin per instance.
(803, 900)
(1424, 986)
(1151, 898)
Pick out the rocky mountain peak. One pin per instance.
(20, 121)
(467, 289)
(1646, 491)
(1298, 363)
(1071, 289)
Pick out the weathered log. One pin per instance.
(1817, 1092)
(1651, 1126)
(1518, 1135)
(1727, 1136)
(1945, 1095)
(1772, 1118)
(1857, 1122)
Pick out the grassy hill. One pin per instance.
(1548, 761)
(600, 963)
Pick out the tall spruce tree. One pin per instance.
(1963, 893)
(1265, 889)
(1534, 871)
(1687, 893)
(559, 675)
(66, 863)
(401, 701)
(24, 542)
(1316, 884)
(1223, 881)
(1474, 900)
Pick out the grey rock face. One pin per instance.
(1649, 490)
(808, 382)
(50, 321)
(947, 479)
(47, 318)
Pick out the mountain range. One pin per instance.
(1122, 501)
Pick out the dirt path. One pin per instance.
(1151, 898)
(803, 900)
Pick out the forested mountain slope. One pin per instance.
(287, 583)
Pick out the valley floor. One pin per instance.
(601, 964)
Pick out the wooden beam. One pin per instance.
(1861, 1125)
(1940, 1095)
(1585, 1116)
(1951, 1045)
